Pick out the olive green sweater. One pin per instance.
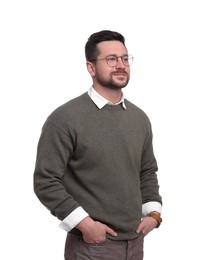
(99, 159)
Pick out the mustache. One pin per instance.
(120, 71)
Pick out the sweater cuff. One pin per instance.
(73, 219)
(151, 206)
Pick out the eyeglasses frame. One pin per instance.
(130, 57)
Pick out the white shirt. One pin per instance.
(101, 101)
(75, 217)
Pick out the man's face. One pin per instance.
(113, 77)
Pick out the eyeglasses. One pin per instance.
(112, 60)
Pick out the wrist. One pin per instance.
(85, 224)
(156, 216)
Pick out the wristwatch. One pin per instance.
(156, 216)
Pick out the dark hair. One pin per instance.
(91, 50)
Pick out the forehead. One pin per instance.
(111, 47)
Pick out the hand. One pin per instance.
(147, 224)
(94, 231)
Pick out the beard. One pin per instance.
(111, 83)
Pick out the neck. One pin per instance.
(112, 95)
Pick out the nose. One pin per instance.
(119, 63)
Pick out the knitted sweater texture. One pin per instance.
(101, 160)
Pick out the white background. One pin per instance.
(42, 65)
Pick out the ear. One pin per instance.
(91, 68)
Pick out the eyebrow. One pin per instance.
(117, 55)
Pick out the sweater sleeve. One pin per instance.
(55, 148)
(148, 175)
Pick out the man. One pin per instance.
(95, 167)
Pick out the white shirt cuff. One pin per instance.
(73, 219)
(151, 206)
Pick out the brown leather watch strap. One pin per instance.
(156, 216)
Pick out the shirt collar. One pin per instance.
(100, 101)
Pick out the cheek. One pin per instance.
(128, 70)
(103, 72)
